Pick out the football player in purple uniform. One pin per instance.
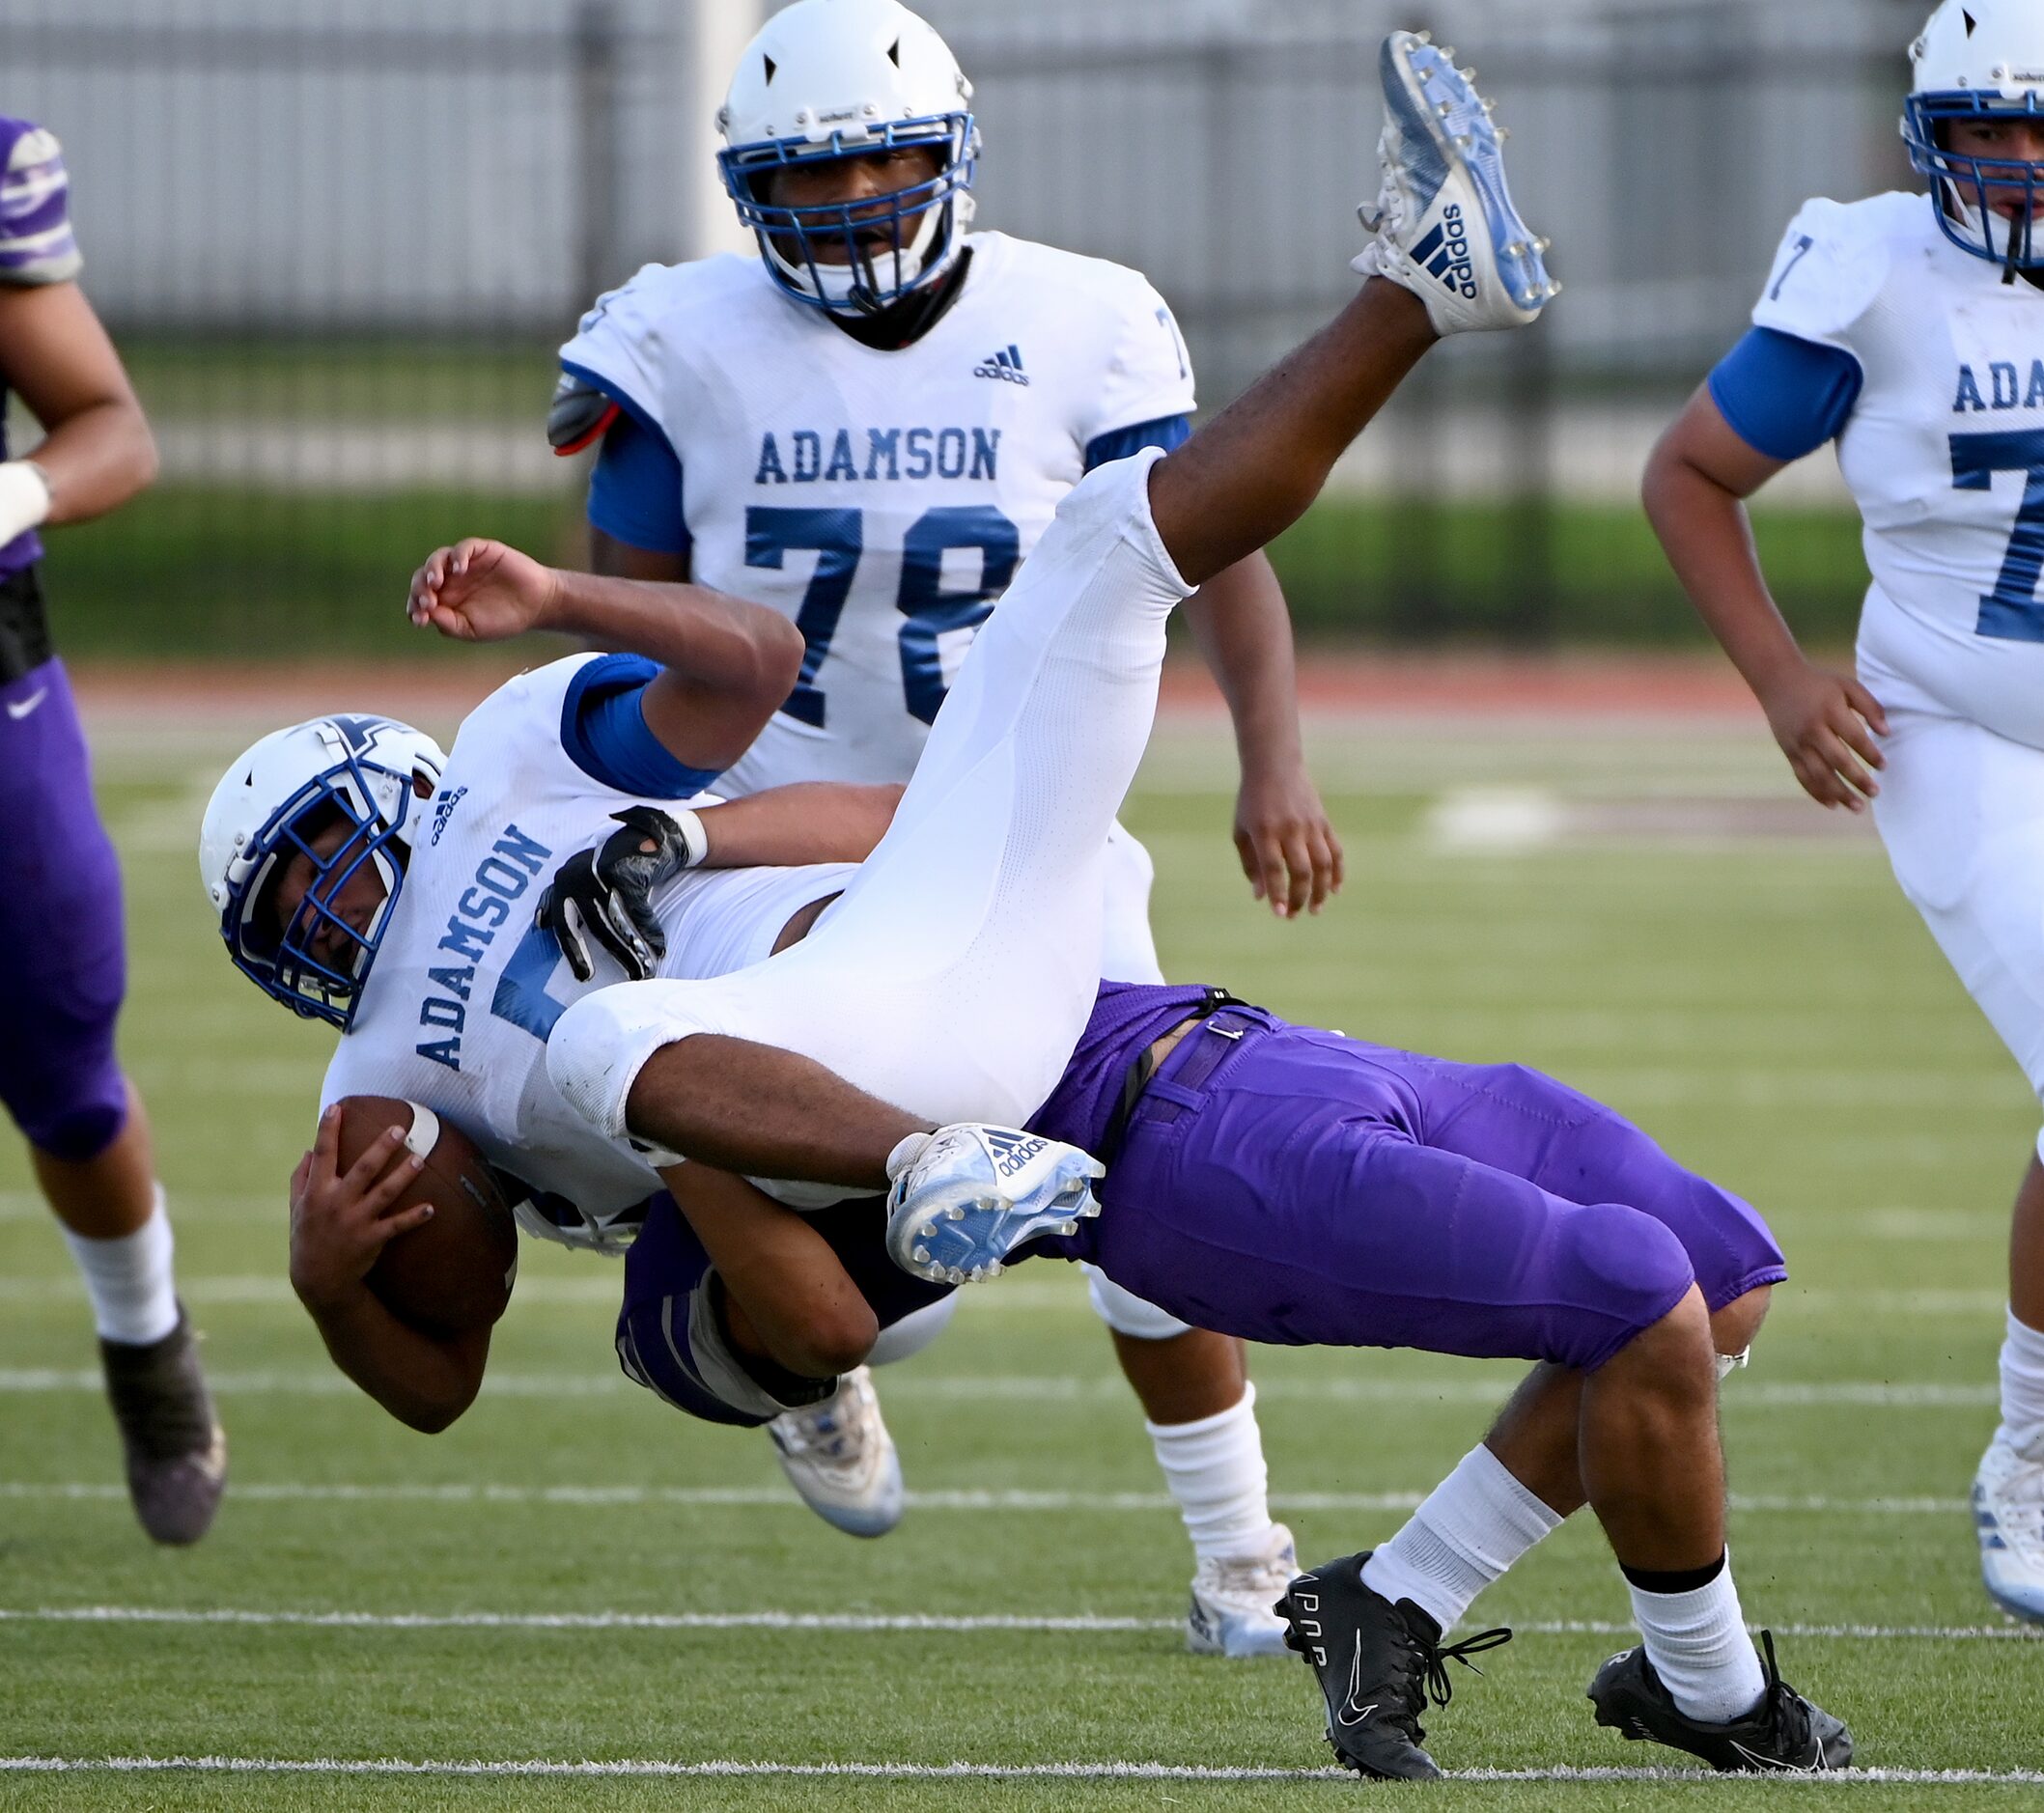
(62, 962)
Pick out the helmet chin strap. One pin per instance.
(2015, 255)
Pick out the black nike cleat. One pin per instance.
(176, 1453)
(1785, 1733)
(1377, 1664)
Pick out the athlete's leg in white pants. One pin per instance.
(1199, 1410)
(1962, 813)
(955, 975)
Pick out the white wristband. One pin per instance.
(693, 836)
(24, 498)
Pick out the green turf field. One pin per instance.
(575, 1574)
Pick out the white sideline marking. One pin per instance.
(925, 1771)
(970, 1500)
(926, 1623)
(1064, 1388)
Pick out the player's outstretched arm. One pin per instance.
(1696, 487)
(96, 452)
(702, 1096)
(340, 1222)
(605, 894)
(797, 1298)
(729, 663)
(1288, 847)
(804, 822)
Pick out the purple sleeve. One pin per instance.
(37, 244)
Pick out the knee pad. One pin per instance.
(1128, 1314)
(914, 1331)
(581, 1052)
(77, 1128)
(598, 1047)
(1625, 1269)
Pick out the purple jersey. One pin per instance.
(37, 246)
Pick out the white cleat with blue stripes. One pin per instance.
(840, 1457)
(1445, 226)
(2009, 1516)
(964, 1197)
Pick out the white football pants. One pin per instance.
(1127, 953)
(954, 976)
(1961, 813)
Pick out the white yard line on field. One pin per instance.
(603, 1288)
(968, 1499)
(1057, 1387)
(660, 1770)
(238, 1289)
(867, 1623)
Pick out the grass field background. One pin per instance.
(575, 1573)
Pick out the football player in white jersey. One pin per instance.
(1910, 331)
(956, 972)
(868, 426)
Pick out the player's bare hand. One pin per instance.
(480, 591)
(340, 1221)
(1288, 849)
(1826, 724)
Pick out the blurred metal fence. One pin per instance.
(339, 238)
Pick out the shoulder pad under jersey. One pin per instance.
(579, 415)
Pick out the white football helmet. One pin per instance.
(831, 79)
(1983, 61)
(359, 771)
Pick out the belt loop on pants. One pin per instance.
(1206, 1050)
(1221, 1015)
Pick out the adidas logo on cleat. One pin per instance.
(1011, 1153)
(1444, 252)
(1005, 365)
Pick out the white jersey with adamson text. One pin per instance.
(1944, 452)
(881, 500)
(464, 990)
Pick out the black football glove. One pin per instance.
(606, 893)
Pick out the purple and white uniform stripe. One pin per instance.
(37, 246)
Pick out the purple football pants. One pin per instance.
(63, 968)
(1292, 1185)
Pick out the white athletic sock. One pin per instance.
(2022, 1388)
(134, 1300)
(1216, 1471)
(1698, 1644)
(1473, 1526)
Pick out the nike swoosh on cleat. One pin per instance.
(1349, 1699)
(18, 709)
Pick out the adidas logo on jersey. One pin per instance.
(1011, 1152)
(1005, 365)
(1444, 252)
(443, 812)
